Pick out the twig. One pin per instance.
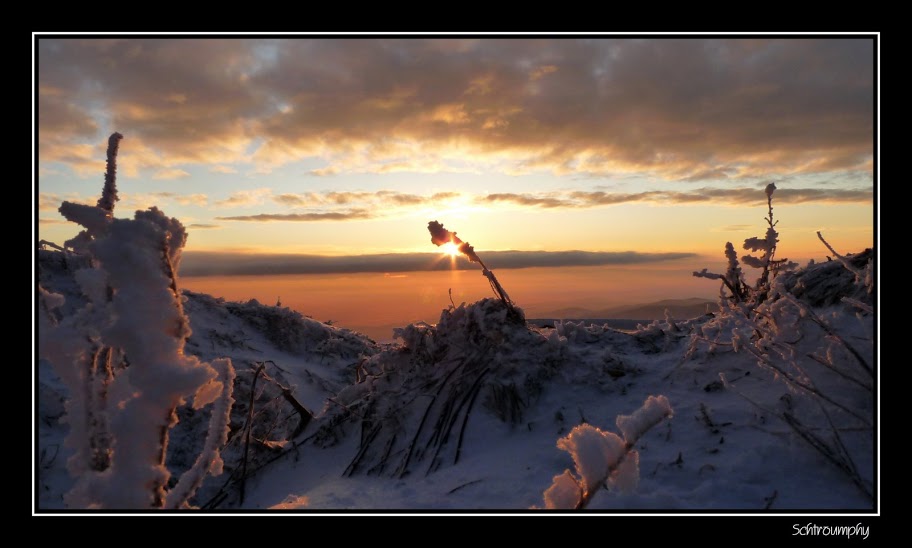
(707, 420)
(353, 465)
(826, 328)
(411, 447)
(587, 495)
(256, 375)
(343, 406)
(805, 433)
(306, 416)
(770, 499)
(859, 275)
(465, 420)
(834, 369)
(827, 451)
(790, 379)
(458, 487)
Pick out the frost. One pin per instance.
(635, 425)
(291, 502)
(563, 493)
(122, 358)
(209, 461)
(602, 456)
(593, 452)
(627, 476)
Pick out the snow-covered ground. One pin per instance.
(467, 414)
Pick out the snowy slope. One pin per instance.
(466, 415)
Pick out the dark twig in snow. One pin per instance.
(249, 427)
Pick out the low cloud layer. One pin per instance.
(679, 108)
(352, 215)
(337, 206)
(730, 196)
(197, 263)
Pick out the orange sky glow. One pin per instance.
(647, 154)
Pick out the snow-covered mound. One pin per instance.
(825, 284)
(773, 405)
(413, 403)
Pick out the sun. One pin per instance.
(450, 249)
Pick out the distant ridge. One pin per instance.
(680, 309)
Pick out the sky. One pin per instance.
(276, 152)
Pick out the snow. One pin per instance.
(472, 413)
(594, 453)
(653, 411)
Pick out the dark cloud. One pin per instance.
(681, 108)
(184, 97)
(351, 215)
(203, 226)
(195, 263)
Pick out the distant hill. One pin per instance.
(680, 309)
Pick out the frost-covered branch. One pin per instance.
(733, 278)
(863, 277)
(209, 461)
(770, 267)
(767, 245)
(109, 192)
(601, 456)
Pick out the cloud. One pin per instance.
(222, 169)
(528, 200)
(295, 200)
(198, 263)
(244, 198)
(170, 173)
(49, 201)
(714, 196)
(735, 228)
(380, 198)
(129, 201)
(351, 215)
(191, 199)
(203, 226)
(46, 221)
(679, 108)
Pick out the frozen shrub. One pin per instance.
(733, 279)
(122, 357)
(829, 376)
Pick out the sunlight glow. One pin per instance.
(450, 249)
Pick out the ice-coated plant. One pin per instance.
(122, 358)
(604, 458)
(830, 377)
(733, 279)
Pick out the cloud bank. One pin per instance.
(199, 263)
